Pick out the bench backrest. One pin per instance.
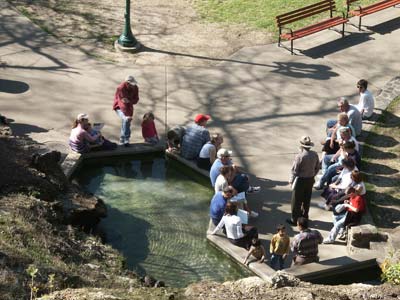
(306, 11)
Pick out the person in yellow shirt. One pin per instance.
(279, 247)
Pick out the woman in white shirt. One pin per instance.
(344, 181)
(224, 177)
(208, 153)
(237, 233)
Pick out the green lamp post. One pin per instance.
(126, 39)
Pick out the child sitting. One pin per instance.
(149, 131)
(101, 143)
(279, 247)
(257, 250)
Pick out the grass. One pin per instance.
(27, 238)
(258, 13)
(382, 166)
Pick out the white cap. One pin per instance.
(223, 153)
(131, 80)
(82, 116)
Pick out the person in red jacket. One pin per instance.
(149, 131)
(354, 206)
(126, 96)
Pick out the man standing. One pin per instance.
(305, 167)
(126, 96)
(305, 244)
(366, 103)
(195, 137)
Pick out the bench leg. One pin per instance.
(359, 23)
(343, 29)
(279, 41)
(291, 47)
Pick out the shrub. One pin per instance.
(391, 269)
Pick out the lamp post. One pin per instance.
(127, 41)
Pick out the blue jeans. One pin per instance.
(337, 225)
(329, 173)
(277, 261)
(125, 127)
(326, 162)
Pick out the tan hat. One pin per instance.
(80, 117)
(224, 153)
(306, 142)
(131, 80)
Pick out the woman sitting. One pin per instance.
(208, 153)
(344, 180)
(358, 180)
(224, 177)
(238, 234)
(82, 141)
(352, 211)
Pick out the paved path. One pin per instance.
(261, 99)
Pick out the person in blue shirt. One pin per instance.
(218, 204)
(223, 159)
(195, 137)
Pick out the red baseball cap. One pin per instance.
(200, 118)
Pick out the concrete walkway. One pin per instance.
(261, 99)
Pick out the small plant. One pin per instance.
(391, 269)
(32, 271)
(50, 282)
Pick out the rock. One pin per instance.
(149, 281)
(84, 210)
(48, 163)
(249, 284)
(92, 266)
(361, 236)
(5, 130)
(282, 279)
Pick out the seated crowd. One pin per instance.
(341, 181)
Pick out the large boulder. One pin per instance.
(49, 164)
(83, 210)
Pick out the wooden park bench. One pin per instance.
(369, 9)
(305, 12)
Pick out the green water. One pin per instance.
(158, 217)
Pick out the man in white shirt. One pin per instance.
(353, 113)
(366, 103)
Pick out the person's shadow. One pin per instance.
(22, 130)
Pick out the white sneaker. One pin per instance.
(253, 189)
(328, 241)
(322, 205)
(317, 185)
(253, 214)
